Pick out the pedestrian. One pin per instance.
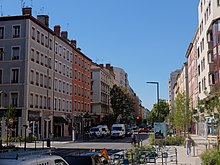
(188, 145)
(133, 138)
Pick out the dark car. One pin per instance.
(91, 158)
(128, 132)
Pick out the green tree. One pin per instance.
(122, 104)
(155, 116)
(182, 115)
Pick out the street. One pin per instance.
(97, 143)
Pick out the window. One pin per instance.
(38, 36)
(55, 103)
(46, 41)
(42, 59)
(33, 33)
(42, 39)
(1, 54)
(41, 102)
(41, 79)
(32, 77)
(31, 100)
(14, 99)
(50, 44)
(37, 78)
(32, 54)
(49, 62)
(60, 67)
(15, 53)
(14, 75)
(36, 101)
(67, 88)
(56, 65)
(59, 104)
(45, 81)
(16, 31)
(56, 48)
(45, 102)
(1, 76)
(64, 69)
(37, 57)
(64, 86)
(2, 31)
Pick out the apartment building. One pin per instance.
(208, 15)
(171, 84)
(102, 83)
(208, 59)
(81, 89)
(121, 78)
(191, 56)
(38, 79)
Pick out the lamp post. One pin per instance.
(158, 110)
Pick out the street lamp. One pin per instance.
(158, 110)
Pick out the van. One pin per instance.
(105, 131)
(30, 158)
(118, 130)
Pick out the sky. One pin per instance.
(147, 38)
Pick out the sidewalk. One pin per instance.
(201, 145)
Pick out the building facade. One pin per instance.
(102, 83)
(171, 84)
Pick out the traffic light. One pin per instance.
(137, 117)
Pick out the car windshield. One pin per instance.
(94, 129)
(117, 128)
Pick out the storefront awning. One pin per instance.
(60, 119)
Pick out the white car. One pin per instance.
(96, 131)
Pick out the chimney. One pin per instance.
(44, 19)
(108, 66)
(57, 30)
(73, 43)
(79, 48)
(101, 66)
(64, 35)
(27, 11)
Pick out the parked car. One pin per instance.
(118, 130)
(30, 158)
(96, 131)
(128, 132)
(143, 130)
(105, 131)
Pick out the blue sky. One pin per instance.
(148, 39)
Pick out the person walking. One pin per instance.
(188, 145)
(133, 138)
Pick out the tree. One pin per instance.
(122, 104)
(182, 115)
(154, 116)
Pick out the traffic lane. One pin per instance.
(140, 136)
